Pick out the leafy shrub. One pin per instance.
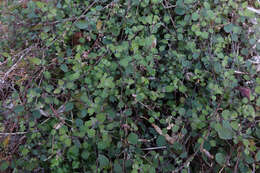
(129, 86)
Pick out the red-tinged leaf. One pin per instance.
(245, 92)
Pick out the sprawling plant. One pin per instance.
(129, 86)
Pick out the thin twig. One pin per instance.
(146, 106)
(171, 6)
(56, 114)
(166, 5)
(240, 72)
(48, 157)
(253, 10)
(14, 66)
(168, 138)
(14, 133)
(154, 148)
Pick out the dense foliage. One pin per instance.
(129, 86)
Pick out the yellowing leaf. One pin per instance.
(6, 141)
(99, 25)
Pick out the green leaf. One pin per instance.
(182, 111)
(85, 155)
(78, 122)
(73, 151)
(82, 24)
(225, 131)
(220, 158)
(36, 61)
(132, 138)
(206, 5)
(188, 1)
(64, 67)
(4, 166)
(67, 142)
(117, 168)
(156, 1)
(102, 145)
(91, 133)
(98, 8)
(235, 125)
(226, 114)
(228, 28)
(47, 74)
(257, 90)
(74, 76)
(205, 35)
(258, 46)
(258, 80)
(169, 88)
(195, 16)
(124, 62)
(257, 156)
(91, 111)
(179, 11)
(182, 88)
(258, 102)
(160, 141)
(25, 151)
(36, 114)
(19, 108)
(101, 117)
(69, 106)
(75, 164)
(40, 4)
(149, 19)
(57, 91)
(108, 82)
(103, 161)
(5, 54)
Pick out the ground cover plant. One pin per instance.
(129, 86)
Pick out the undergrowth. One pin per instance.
(129, 86)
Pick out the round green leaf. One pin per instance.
(160, 141)
(132, 138)
(180, 11)
(82, 24)
(4, 166)
(195, 16)
(220, 158)
(18, 108)
(103, 161)
(228, 28)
